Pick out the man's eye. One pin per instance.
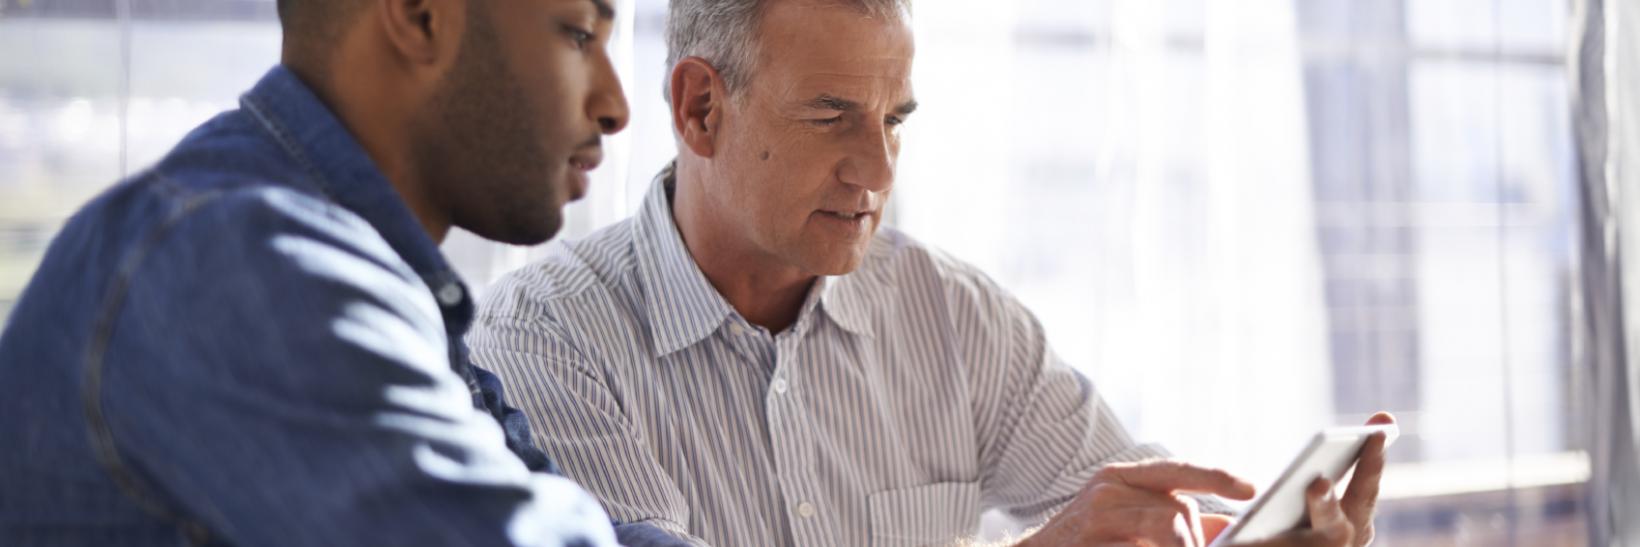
(580, 37)
(894, 121)
(824, 122)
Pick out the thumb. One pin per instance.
(1214, 525)
(1327, 514)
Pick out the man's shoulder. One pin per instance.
(898, 258)
(199, 272)
(251, 228)
(228, 170)
(574, 273)
(226, 180)
(231, 151)
(185, 225)
(899, 264)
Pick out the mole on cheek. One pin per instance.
(764, 156)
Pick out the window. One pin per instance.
(92, 90)
(1250, 219)
(1245, 219)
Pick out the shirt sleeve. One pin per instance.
(515, 426)
(645, 534)
(1044, 429)
(276, 374)
(581, 422)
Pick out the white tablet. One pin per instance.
(1331, 454)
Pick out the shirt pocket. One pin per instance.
(930, 514)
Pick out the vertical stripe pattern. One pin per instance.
(910, 396)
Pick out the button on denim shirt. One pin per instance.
(254, 342)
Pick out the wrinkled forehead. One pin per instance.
(808, 48)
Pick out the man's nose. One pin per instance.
(607, 103)
(870, 163)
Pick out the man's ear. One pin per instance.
(698, 98)
(423, 33)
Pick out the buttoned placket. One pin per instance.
(451, 296)
(793, 442)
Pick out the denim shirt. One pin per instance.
(254, 342)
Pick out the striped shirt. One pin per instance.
(910, 395)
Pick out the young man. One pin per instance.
(257, 342)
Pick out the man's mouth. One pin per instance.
(845, 215)
(581, 165)
(586, 161)
(848, 215)
(588, 155)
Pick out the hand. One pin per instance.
(1329, 525)
(1140, 503)
(1346, 523)
(1213, 525)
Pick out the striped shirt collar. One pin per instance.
(684, 308)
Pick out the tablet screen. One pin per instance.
(1331, 453)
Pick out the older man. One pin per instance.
(752, 361)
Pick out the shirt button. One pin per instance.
(780, 386)
(450, 294)
(736, 329)
(805, 509)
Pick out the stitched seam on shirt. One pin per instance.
(168, 185)
(281, 136)
(102, 436)
(579, 355)
(582, 282)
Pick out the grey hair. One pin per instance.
(724, 33)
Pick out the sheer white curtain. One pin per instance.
(1146, 193)
(1617, 180)
(1623, 83)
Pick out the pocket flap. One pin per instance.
(931, 514)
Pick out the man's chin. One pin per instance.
(820, 253)
(843, 263)
(525, 232)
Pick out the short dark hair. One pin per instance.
(312, 28)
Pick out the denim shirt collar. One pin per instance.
(338, 167)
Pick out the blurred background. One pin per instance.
(1244, 219)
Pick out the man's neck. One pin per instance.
(766, 299)
(764, 290)
(368, 114)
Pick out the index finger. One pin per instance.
(1169, 477)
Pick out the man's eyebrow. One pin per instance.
(604, 9)
(829, 102)
(832, 102)
(906, 108)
